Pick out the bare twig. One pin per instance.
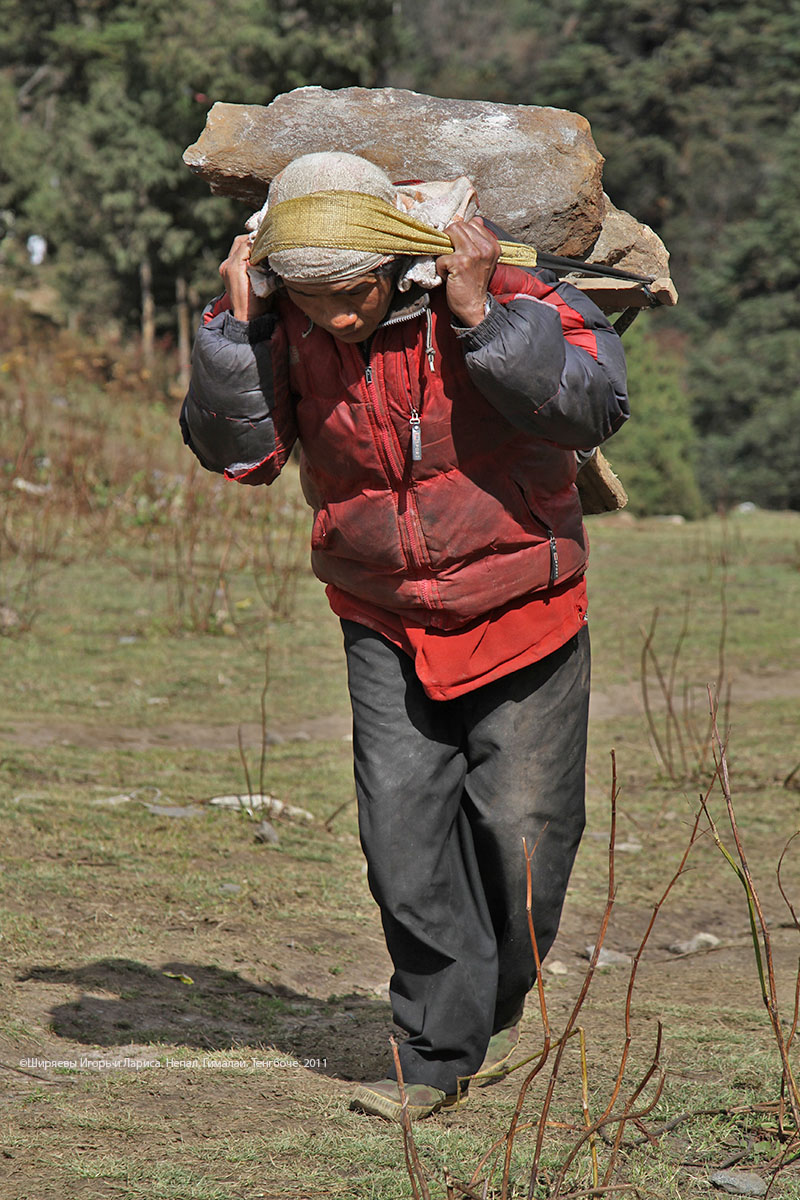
(262, 762)
(683, 731)
(658, 748)
(572, 1021)
(245, 766)
(673, 666)
(587, 1120)
(545, 1020)
(413, 1165)
(796, 1013)
(328, 822)
(759, 926)
(464, 1188)
(601, 1122)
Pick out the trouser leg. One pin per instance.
(447, 791)
(410, 769)
(526, 779)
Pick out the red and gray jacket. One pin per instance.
(440, 467)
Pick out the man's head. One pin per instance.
(346, 292)
(350, 309)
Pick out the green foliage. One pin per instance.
(746, 380)
(654, 453)
(101, 97)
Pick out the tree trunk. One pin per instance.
(184, 335)
(148, 311)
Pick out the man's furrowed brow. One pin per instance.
(354, 285)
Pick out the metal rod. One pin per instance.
(555, 262)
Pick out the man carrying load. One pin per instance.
(439, 393)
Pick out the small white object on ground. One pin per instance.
(739, 1183)
(256, 802)
(608, 958)
(174, 810)
(29, 488)
(700, 941)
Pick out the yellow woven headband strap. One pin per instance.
(357, 221)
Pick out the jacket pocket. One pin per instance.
(320, 530)
(543, 524)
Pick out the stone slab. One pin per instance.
(537, 170)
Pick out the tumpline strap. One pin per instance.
(356, 221)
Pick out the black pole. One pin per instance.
(554, 262)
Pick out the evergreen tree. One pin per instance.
(746, 376)
(108, 94)
(655, 452)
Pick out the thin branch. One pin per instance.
(262, 764)
(648, 710)
(673, 666)
(602, 1122)
(796, 921)
(413, 1165)
(243, 757)
(569, 1028)
(770, 991)
(328, 822)
(587, 1120)
(542, 1007)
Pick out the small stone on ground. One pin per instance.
(609, 958)
(739, 1183)
(267, 833)
(700, 941)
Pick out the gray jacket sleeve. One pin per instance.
(236, 417)
(547, 358)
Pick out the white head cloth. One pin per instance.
(434, 203)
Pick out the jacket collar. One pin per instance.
(406, 305)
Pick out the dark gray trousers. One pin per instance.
(446, 792)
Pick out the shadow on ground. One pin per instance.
(126, 1002)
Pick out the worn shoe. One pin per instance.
(383, 1100)
(496, 1065)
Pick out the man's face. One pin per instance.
(351, 310)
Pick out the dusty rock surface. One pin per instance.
(537, 170)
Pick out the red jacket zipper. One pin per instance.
(408, 521)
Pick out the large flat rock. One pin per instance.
(537, 170)
(628, 245)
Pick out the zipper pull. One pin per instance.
(416, 436)
(553, 556)
(429, 339)
(368, 374)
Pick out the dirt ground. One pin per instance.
(249, 975)
(618, 700)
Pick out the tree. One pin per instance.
(112, 91)
(655, 451)
(746, 376)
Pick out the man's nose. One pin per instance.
(340, 315)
